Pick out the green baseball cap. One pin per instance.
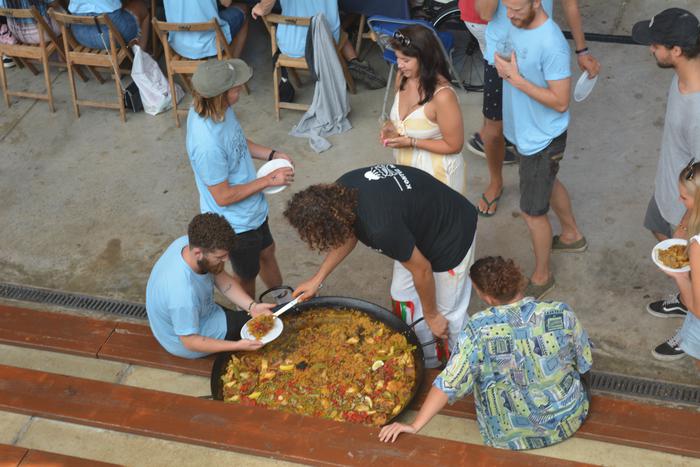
(215, 77)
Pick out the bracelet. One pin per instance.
(251, 305)
(272, 154)
(583, 51)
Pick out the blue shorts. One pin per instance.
(123, 20)
(234, 17)
(690, 335)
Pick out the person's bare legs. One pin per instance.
(495, 149)
(139, 9)
(541, 235)
(239, 40)
(269, 269)
(348, 51)
(561, 204)
(659, 236)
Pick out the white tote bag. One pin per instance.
(152, 83)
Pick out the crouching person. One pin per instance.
(524, 360)
(180, 293)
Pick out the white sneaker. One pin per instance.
(7, 62)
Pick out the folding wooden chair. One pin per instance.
(185, 67)
(271, 21)
(48, 44)
(111, 58)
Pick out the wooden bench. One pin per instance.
(611, 420)
(250, 430)
(23, 457)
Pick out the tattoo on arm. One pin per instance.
(227, 288)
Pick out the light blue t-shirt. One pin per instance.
(498, 28)
(180, 302)
(292, 39)
(542, 55)
(81, 7)
(194, 44)
(218, 152)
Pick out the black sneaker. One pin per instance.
(669, 350)
(362, 71)
(7, 62)
(286, 90)
(475, 145)
(672, 307)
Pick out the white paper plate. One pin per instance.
(584, 86)
(269, 337)
(271, 166)
(664, 246)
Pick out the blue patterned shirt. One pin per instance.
(523, 361)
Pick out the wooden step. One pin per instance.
(611, 420)
(250, 430)
(22, 457)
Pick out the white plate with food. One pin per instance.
(265, 328)
(270, 167)
(670, 255)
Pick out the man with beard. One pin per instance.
(536, 92)
(673, 37)
(180, 293)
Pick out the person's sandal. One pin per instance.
(579, 246)
(489, 204)
(539, 291)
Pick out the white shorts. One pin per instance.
(453, 289)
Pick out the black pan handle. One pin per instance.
(413, 325)
(274, 289)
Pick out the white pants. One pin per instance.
(453, 289)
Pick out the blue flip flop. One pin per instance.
(489, 204)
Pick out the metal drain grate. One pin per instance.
(72, 300)
(645, 388)
(603, 382)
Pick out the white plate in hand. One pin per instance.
(664, 245)
(584, 86)
(269, 337)
(270, 167)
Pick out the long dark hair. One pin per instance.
(420, 42)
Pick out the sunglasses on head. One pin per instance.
(690, 170)
(403, 40)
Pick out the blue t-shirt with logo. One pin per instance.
(81, 7)
(292, 39)
(542, 55)
(498, 28)
(191, 44)
(180, 302)
(218, 152)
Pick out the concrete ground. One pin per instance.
(89, 204)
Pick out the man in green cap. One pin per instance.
(222, 160)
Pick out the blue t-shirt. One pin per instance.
(498, 28)
(292, 39)
(192, 44)
(180, 302)
(218, 152)
(542, 55)
(81, 7)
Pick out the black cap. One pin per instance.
(674, 26)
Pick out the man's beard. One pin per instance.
(664, 66)
(207, 268)
(524, 23)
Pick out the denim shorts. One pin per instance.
(234, 17)
(123, 20)
(690, 335)
(245, 254)
(537, 175)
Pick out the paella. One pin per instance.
(341, 365)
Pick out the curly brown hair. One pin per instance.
(210, 231)
(497, 277)
(323, 215)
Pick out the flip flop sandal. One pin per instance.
(578, 246)
(489, 204)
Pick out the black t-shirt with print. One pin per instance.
(402, 207)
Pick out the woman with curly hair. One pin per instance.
(407, 215)
(526, 361)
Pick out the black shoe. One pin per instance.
(475, 145)
(7, 62)
(361, 71)
(286, 90)
(672, 307)
(669, 350)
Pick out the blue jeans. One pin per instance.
(123, 20)
(234, 17)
